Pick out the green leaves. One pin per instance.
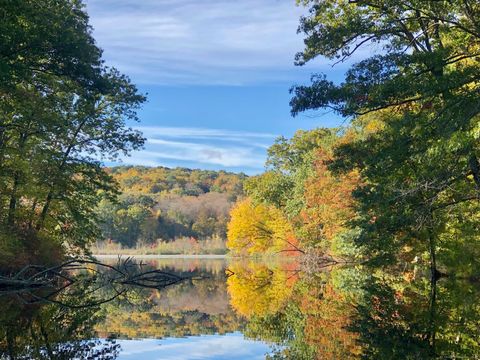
(61, 112)
(414, 106)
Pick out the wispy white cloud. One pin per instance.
(199, 42)
(192, 132)
(217, 148)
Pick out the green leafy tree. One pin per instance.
(62, 111)
(420, 168)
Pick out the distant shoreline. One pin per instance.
(153, 256)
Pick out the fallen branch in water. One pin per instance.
(41, 284)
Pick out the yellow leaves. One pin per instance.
(318, 202)
(372, 122)
(157, 180)
(258, 228)
(257, 290)
(246, 229)
(476, 127)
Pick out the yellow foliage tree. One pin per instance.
(258, 290)
(257, 228)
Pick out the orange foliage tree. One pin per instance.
(328, 202)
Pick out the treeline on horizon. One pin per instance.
(162, 204)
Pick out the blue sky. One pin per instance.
(217, 74)
(208, 347)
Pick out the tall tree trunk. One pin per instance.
(16, 181)
(32, 213)
(475, 168)
(433, 255)
(433, 311)
(46, 207)
(13, 200)
(49, 198)
(433, 290)
(11, 345)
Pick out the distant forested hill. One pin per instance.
(166, 204)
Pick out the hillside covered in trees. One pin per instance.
(162, 204)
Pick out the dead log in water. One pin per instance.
(82, 278)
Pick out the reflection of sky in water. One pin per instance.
(212, 347)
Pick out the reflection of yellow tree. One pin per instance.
(256, 228)
(257, 290)
(312, 318)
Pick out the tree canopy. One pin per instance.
(62, 112)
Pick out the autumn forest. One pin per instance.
(359, 240)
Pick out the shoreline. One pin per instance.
(153, 256)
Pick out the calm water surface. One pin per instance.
(223, 309)
(190, 320)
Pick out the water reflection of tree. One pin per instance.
(52, 312)
(352, 313)
(402, 320)
(51, 332)
(256, 288)
(87, 282)
(196, 306)
(312, 324)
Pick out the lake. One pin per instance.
(238, 309)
